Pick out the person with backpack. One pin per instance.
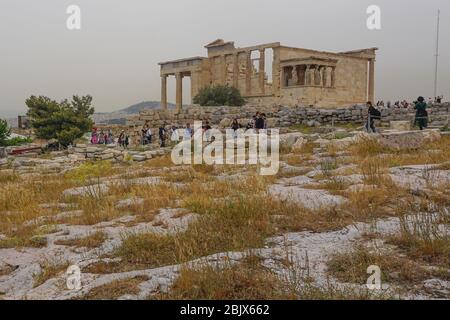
(372, 114)
(421, 118)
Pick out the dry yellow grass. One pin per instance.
(49, 269)
(115, 289)
(91, 241)
(352, 267)
(20, 202)
(160, 162)
(245, 281)
(249, 280)
(423, 234)
(433, 153)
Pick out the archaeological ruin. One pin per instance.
(299, 76)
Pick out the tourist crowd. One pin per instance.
(258, 122)
(405, 104)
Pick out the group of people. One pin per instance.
(102, 137)
(405, 104)
(437, 99)
(146, 134)
(107, 137)
(165, 131)
(398, 104)
(258, 122)
(420, 120)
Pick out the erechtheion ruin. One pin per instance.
(299, 76)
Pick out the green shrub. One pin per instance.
(17, 141)
(5, 132)
(65, 121)
(219, 96)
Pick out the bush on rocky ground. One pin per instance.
(219, 96)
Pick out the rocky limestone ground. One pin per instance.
(341, 201)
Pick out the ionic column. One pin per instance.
(236, 70)
(164, 91)
(262, 71)
(248, 74)
(333, 76)
(179, 91)
(371, 94)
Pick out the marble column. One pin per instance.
(262, 71)
(248, 74)
(179, 91)
(371, 94)
(236, 70)
(164, 91)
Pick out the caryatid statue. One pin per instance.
(294, 75)
(317, 76)
(325, 75)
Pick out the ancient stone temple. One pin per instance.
(299, 76)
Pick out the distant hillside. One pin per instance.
(120, 116)
(136, 108)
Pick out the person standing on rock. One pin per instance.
(101, 137)
(162, 136)
(372, 114)
(264, 117)
(421, 113)
(94, 137)
(110, 137)
(235, 124)
(259, 123)
(148, 136)
(188, 132)
(121, 140)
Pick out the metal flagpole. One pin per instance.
(437, 56)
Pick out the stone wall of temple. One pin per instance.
(277, 115)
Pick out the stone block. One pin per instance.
(139, 157)
(400, 125)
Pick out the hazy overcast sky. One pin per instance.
(115, 54)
